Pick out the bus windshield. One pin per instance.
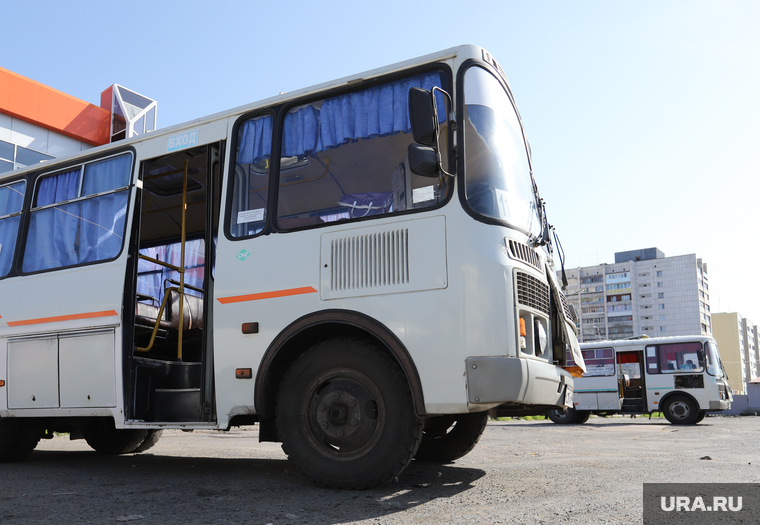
(714, 366)
(497, 170)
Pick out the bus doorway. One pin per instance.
(170, 365)
(631, 381)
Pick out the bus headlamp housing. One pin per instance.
(542, 339)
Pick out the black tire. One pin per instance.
(446, 438)
(150, 440)
(701, 416)
(569, 416)
(102, 436)
(18, 438)
(680, 410)
(345, 415)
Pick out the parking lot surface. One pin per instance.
(532, 472)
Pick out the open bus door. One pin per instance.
(169, 358)
(632, 386)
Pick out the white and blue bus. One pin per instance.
(681, 376)
(362, 268)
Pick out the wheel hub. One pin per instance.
(342, 416)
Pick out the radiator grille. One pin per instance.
(532, 292)
(370, 261)
(524, 253)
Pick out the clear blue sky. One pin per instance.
(643, 116)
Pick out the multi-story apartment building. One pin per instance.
(642, 293)
(739, 343)
(38, 123)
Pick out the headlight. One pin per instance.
(541, 338)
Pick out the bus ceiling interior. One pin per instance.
(168, 363)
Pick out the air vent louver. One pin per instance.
(524, 253)
(532, 293)
(370, 261)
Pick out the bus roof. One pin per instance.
(646, 341)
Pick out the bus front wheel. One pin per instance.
(447, 438)
(345, 415)
(680, 410)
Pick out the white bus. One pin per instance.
(362, 268)
(682, 377)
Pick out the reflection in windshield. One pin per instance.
(499, 183)
(714, 367)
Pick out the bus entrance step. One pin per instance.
(178, 404)
(632, 406)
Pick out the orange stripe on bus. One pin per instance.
(267, 295)
(72, 317)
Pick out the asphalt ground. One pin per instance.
(527, 472)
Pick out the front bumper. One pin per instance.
(720, 405)
(517, 381)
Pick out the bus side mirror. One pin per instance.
(423, 160)
(422, 116)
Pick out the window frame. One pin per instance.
(20, 228)
(29, 208)
(278, 113)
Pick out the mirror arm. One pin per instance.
(437, 129)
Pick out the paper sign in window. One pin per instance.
(246, 216)
(423, 194)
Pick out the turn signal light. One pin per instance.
(523, 333)
(243, 373)
(2, 382)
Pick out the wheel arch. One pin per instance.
(315, 328)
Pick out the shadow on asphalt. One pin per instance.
(160, 488)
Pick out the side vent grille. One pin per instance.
(532, 293)
(568, 313)
(524, 253)
(370, 261)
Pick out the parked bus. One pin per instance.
(682, 377)
(363, 268)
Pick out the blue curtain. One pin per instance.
(83, 231)
(8, 234)
(151, 277)
(377, 111)
(107, 175)
(102, 226)
(301, 132)
(11, 201)
(61, 187)
(255, 142)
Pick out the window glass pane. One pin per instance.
(107, 175)
(27, 157)
(6, 150)
(11, 201)
(5, 166)
(12, 197)
(251, 183)
(151, 276)
(58, 188)
(345, 157)
(78, 232)
(681, 357)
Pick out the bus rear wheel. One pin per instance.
(680, 410)
(18, 438)
(447, 438)
(569, 416)
(105, 438)
(345, 415)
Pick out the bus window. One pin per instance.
(152, 279)
(680, 357)
(714, 366)
(251, 179)
(344, 157)
(11, 201)
(83, 210)
(599, 362)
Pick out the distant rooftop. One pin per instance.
(639, 255)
